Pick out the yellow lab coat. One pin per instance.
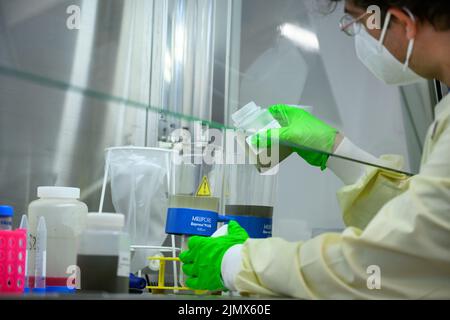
(396, 245)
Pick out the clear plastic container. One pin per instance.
(195, 191)
(65, 218)
(249, 194)
(253, 119)
(104, 254)
(193, 177)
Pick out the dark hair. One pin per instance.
(437, 12)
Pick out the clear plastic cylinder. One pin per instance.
(195, 184)
(249, 197)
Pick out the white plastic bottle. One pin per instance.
(253, 119)
(65, 218)
(104, 254)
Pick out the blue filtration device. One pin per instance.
(256, 227)
(192, 222)
(196, 222)
(256, 220)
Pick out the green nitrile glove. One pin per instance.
(202, 262)
(301, 128)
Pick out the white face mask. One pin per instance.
(381, 62)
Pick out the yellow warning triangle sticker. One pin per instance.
(203, 189)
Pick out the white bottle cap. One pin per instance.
(58, 192)
(113, 221)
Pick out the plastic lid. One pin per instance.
(114, 221)
(239, 116)
(58, 192)
(6, 211)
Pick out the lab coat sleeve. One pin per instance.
(350, 171)
(367, 188)
(402, 253)
(361, 201)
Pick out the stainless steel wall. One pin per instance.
(53, 136)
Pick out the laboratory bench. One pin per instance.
(137, 297)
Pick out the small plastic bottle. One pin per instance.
(65, 218)
(104, 254)
(6, 217)
(253, 119)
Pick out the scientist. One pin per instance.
(397, 244)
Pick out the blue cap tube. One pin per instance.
(6, 215)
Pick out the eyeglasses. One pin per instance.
(351, 26)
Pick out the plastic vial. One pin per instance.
(6, 217)
(104, 254)
(24, 225)
(40, 270)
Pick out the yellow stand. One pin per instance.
(161, 277)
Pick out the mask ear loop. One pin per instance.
(384, 31)
(411, 42)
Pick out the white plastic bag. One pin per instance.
(139, 190)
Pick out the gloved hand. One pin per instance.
(202, 262)
(301, 128)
